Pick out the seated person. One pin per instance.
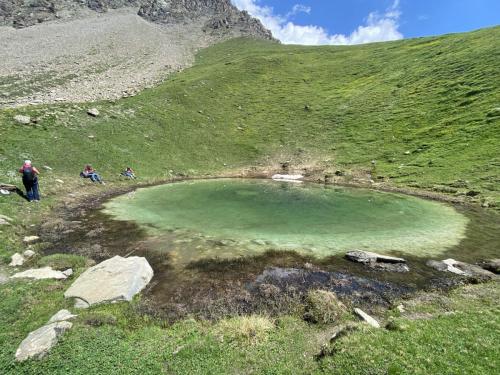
(128, 173)
(89, 172)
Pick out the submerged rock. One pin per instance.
(16, 260)
(115, 279)
(39, 342)
(40, 274)
(367, 318)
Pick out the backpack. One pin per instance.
(28, 175)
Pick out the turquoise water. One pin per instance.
(233, 217)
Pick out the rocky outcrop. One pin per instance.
(116, 279)
(217, 16)
(38, 343)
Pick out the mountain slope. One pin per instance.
(422, 113)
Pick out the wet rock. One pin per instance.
(40, 274)
(287, 177)
(361, 256)
(23, 120)
(61, 316)
(492, 265)
(367, 318)
(29, 254)
(378, 261)
(115, 279)
(94, 112)
(30, 239)
(16, 260)
(39, 342)
(461, 268)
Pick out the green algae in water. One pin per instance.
(256, 215)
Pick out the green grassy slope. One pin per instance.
(426, 110)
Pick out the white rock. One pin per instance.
(287, 177)
(4, 192)
(367, 318)
(16, 260)
(61, 316)
(30, 239)
(59, 181)
(115, 279)
(450, 263)
(40, 274)
(361, 256)
(29, 254)
(5, 220)
(94, 112)
(24, 120)
(39, 342)
(47, 167)
(68, 272)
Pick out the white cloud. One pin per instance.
(377, 28)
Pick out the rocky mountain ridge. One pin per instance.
(219, 16)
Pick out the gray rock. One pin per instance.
(115, 279)
(5, 218)
(94, 112)
(40, 274)
(492, 265)
(39, 342)
(29, 254)
(30, 239)
(62, 315)
(23, 120)
(16, 260)
(461, 268)
(367, 318)
(361, 256)
(68, 272)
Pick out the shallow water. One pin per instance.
(229, 218)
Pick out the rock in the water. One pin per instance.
(61, 316)
(30, 239)
(287, 177)
(24, 120)
(94, 112)
(361, 256)
(40, 274)
(39, 342)
(460, 268)
(492, 265)
(16, 260)
(29, 254)
(367, 318)
(115, 279)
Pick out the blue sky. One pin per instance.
(364, 21)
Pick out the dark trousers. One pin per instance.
(32, 190)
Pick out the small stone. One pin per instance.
(46, 167)
(91, 136)
(29, 254)
(68, 272)
(94, 112)
(30, 239)
(367, 318)
(16, 260)
(38, 343)
(400, 308)
(407, 152)
(59, 181)
(24, 120)
(61, 315)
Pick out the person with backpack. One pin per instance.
(30, 181)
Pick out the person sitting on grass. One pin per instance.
(128, 173)
(30, 181)
(89, 172)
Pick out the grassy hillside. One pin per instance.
(427, 111)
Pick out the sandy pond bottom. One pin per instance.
(232, 246)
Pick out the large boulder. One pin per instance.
(39, 342)
(461, 268)
(378, 261)
(115, 279)
(40, 274)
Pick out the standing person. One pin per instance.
(89, 172)
(30, 181)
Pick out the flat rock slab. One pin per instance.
(40, 274)
(115, 279)
(367, 318)
(361, 256)
(39, 342)
(61, 316)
